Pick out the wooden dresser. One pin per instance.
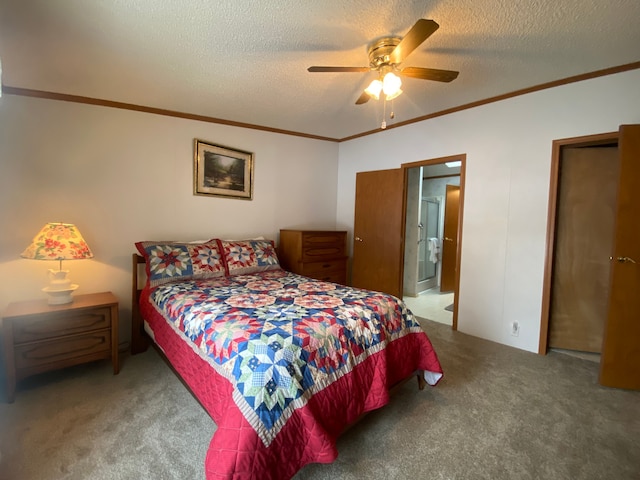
(319, 254)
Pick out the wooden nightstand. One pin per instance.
(39, 337)
(319, 254)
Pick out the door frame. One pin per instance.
(462, 158)
(423, 285)
(556, 157)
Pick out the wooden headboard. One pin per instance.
(139, 339)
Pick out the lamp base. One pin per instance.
(58, 296)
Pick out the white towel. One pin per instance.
(434, 249)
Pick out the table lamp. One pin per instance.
(58, 241)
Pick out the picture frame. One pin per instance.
(221, 171)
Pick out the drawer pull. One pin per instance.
(326, 265)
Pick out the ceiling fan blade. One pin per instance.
(429, 74)
(420, 31)
(364, 98)
(338, 69)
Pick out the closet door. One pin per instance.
(620, 360)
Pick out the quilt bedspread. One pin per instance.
(297, 358)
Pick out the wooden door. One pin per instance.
(378, 229)
(584, 238)
(450, 239)
(620, 359)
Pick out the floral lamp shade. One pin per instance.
(58, 241)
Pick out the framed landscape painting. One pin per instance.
(222, 171)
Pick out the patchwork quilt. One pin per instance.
(283, 363)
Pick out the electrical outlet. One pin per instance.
(515, 328)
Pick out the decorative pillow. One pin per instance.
(173, 261)
(249, 256)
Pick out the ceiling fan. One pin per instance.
(385, 56)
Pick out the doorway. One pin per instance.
(598, 197)
(576, 285)
(425, 237)
(585, 222)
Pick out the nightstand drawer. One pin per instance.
(321, 268)
(64, 323)
(32, 355)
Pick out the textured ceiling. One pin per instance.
(246, 61)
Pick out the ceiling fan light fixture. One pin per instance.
(386, 55)
(374, 89)
(393, 95)
(391, 85)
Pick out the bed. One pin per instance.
(282, 363)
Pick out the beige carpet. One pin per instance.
(499, 413)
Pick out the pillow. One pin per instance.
(173, 261)
(248, 256)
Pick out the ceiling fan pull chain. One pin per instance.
(383, 125)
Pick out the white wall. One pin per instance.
(124, 176)
(508, 148)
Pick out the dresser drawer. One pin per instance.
(30, 355)
(339, 276)
(319, 254)
(62, 324)
(320, 268)
(323, 239)
(323, 245)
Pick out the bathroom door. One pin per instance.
(450, 240)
